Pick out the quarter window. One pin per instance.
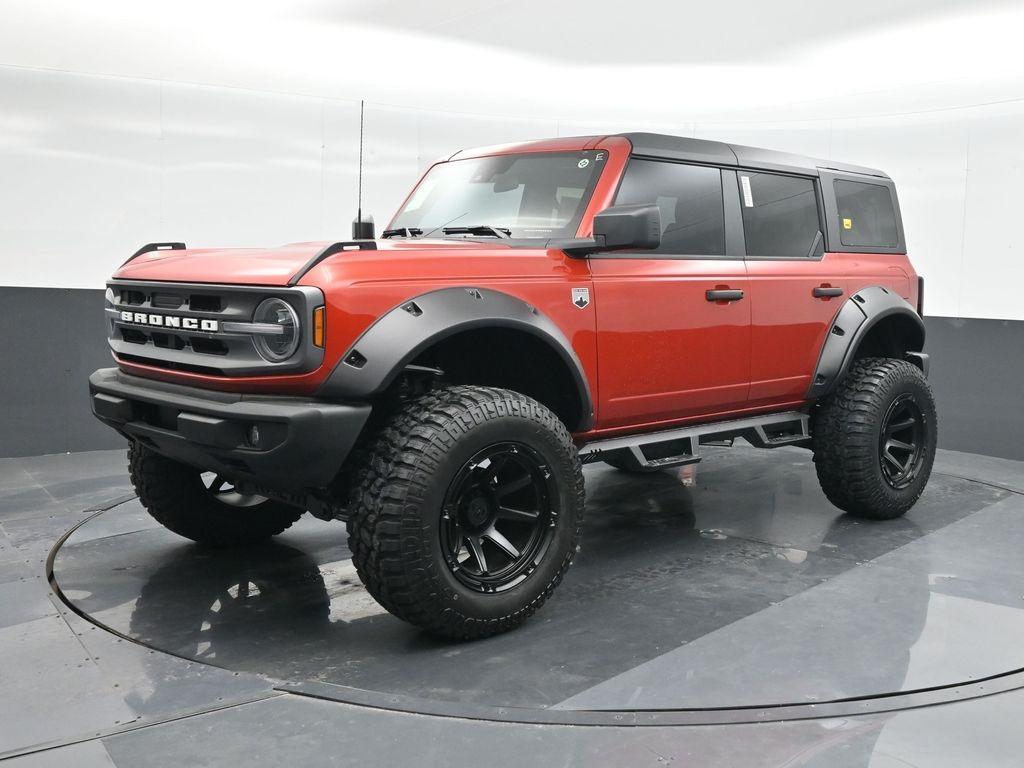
(867, 216)
(690, 200)
(780, 215)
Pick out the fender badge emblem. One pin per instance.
(581, 297)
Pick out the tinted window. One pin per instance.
(866, 214)
(690, 200)
(780, 215)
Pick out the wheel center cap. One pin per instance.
(477, 511)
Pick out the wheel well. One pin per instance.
(510, 359)
(892, 336)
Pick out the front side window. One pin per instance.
(690, 200)
(539, 195)
(780, 215)
(866, 214)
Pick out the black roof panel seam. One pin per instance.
(703, 150)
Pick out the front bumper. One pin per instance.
(275, 442)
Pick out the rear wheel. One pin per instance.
(468, 511)
(204, 506)
(874, 438)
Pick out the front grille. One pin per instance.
(201, 328)
(207, 346)
(167, 300)
(169, 365)
(133, 336)
(165, 340)
(201, 303)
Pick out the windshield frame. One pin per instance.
(598, 156)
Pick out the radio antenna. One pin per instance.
(361, 229)
(359, 201)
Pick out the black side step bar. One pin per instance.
(674, 447)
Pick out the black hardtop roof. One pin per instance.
(661, 145)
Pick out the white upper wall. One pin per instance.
(237, 123)
(574, 59)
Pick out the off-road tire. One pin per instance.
(846, 438)
(175, 496)
(395, 509)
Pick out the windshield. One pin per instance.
(539, 195)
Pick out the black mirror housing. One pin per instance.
(628, 226)
(620, 227)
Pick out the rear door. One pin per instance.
(667, 348)
(795, 288)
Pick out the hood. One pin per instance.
(267, 266)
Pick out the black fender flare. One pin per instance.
(396, 338)
(855, 319)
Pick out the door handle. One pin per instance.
(825, 291)
(729, 294)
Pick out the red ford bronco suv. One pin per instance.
(530, 308)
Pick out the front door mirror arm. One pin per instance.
(579, 247)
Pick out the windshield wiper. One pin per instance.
(482, 230)
(402, 232)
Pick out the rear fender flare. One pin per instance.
(399, 336)
(855, 319)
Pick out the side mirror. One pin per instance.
(618, 228)
(628, 226)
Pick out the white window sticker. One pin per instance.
(748, 196)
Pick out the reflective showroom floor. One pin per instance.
(723, 613)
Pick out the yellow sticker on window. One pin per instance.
(847, 223)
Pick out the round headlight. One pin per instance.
(279, 345)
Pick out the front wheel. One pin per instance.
(468, 511)
(203, 506)
(874, 438)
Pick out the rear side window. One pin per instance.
(780, 215)
(867, 216)
(690, 200)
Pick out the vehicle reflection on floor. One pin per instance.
(728, 583)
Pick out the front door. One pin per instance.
(673, 323)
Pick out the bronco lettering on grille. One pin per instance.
(170, 321)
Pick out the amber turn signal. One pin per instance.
(319, 326)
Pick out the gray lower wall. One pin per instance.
(977, 372)
(53, 338)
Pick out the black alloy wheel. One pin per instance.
(498, 517)
(901, 441)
